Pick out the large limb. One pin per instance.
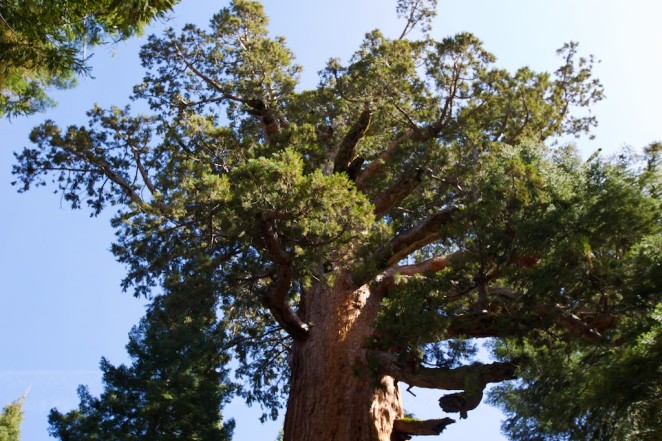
(400, 189)
(471, 379)
(405, 243)
(276, 300)
(345, 152)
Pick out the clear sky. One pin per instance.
(61, 308)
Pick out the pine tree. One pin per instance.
(364, 233)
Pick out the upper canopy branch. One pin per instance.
(414, 133)
(400, 189)
(258, 107)
(107, 169)
(351, 139)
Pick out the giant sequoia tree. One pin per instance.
(364, 234)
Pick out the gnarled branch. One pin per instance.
(445, 378)
(471, 379)
(276, 299)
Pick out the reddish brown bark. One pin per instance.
(334, 395)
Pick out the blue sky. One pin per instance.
(61, 308)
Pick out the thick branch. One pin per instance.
(446, 378)
(436, 263)
(276, 300)
(410, 427)
(376, 164)
(413, 239)
(471, 379)
(399, 190)
(351, 139)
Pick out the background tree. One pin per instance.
(364, 232)
(176, 385)
(10, 421)
(46, 43)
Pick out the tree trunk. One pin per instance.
(334, 395)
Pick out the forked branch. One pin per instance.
(405, 243)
